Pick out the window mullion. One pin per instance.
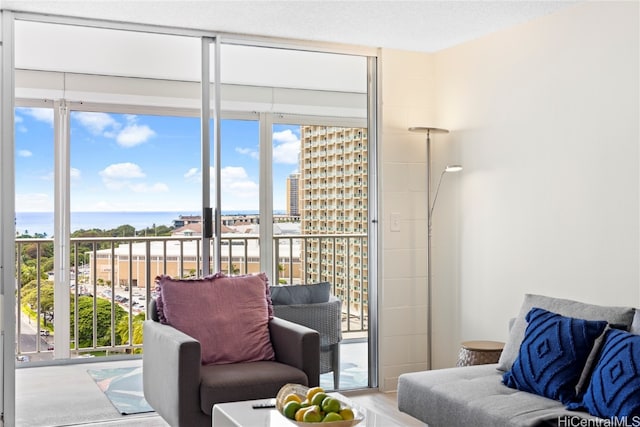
(62, 218)
(266, 194)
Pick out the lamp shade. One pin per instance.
(453, 168)
(427, 129)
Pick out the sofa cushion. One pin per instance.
(553, 354)
(622, 316)
(228, 315)
(614, 389)
(300, 294)
(474, 396)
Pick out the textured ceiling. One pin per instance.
(426, 26)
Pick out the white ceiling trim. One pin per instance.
(418, 25)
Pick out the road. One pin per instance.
(28, 340)
(28, 333)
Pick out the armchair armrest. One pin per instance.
(297, 346)
(171, 373)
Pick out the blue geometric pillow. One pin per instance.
(553, 354)
(614, 390)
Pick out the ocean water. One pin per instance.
(42, 222)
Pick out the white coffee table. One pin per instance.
(242, 414)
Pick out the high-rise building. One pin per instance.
(333, 202)
(293, 198)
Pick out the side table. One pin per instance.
(479, 352)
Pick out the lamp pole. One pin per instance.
(428, 131)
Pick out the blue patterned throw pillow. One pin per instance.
(553, 354)
(614, 389)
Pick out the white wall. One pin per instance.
(545, 119)
(407, 100)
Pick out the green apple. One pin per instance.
(331, 404)
(312, 415)
(318, 398)
(331, 416)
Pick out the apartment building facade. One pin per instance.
(333, 201)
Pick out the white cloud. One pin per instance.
(25, 153)
(236, 183)
(75, 173)
(17, 119)
(232, 173)
(193, 175)
(193, 172)
(117, 175)
(286, 148)
(158, 187)
(41, 114)
(120, 176)
(248, 152)
(122, 170)
(285, 136)
(97, 123)
(104, 124)
(134, 134)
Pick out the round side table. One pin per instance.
(479, 352)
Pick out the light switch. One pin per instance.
(395, 221)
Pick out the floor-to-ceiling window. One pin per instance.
(130, 143)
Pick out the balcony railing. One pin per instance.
(111, 279)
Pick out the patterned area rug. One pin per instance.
(123, 387)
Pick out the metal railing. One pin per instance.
(113, 278)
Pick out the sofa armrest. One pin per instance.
(171, 374)
(297, 346)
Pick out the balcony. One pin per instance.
(114, 279)
(117, 273)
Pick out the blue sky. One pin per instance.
(123, 162)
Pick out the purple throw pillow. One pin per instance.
(229, 316)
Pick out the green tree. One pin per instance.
(163, 230)
(30, 297)
(28, 274)
(122, 329)
(46, 264)
(124, 231)
(103, 322)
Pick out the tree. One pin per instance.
(103, 322)
(122, 329)
(30, 297)
(28, 274)
(123, 231)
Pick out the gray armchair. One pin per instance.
(326, 318)
(183, 392)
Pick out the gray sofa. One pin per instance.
(475, 395)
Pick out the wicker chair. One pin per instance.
(326, 318)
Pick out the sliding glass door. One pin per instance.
(178, 153)
(310, 166)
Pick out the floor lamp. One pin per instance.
(430, 206)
